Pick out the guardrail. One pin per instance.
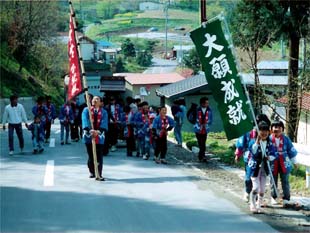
(303, 158)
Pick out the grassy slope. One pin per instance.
(23, 83)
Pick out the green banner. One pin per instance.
(221, 73)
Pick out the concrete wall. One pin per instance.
(303, 136)
(27, 102)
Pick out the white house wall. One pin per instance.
(87, 51)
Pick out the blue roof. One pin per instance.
(104, 43)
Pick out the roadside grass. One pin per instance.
(218, 145)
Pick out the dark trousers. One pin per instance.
(201, 139)
(112, 134)
(161, 147)
(74, 129)
(47, 128)
(90, 162)
(130, 145)
(19, 131)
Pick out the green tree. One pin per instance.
(295, 25)
(128, 48)
(119, 66)
(27, 23)
(144, 58)
(192, 61)
(253, 27)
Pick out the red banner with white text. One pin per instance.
(75, 84)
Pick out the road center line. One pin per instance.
(49, 173)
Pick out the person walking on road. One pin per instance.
(283, 164)
(66, 118)
(99, 118)
(14, 114)
(37, 130)
(202, 126)
(243, 149)
(262, 152)
(50, 117)
(161, 125)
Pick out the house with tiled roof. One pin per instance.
(145, 85)
(303, 135)
(191, 89)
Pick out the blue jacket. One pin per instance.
(51, 112)
(40, 133)
(157, 125)
(243, 143)
(40, 111)
(198, 126)
(86, 125)
(283, 159)
(64, 116)
(256, 161)
(127, 125)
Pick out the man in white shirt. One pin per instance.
(15, 114)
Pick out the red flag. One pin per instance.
(75, 85)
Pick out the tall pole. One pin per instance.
(166, 29)
(203, 11)
(86, 92)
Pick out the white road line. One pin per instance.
(49, 173)
(52, 142)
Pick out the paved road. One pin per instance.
(51, 192)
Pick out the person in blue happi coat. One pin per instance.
(99, 119)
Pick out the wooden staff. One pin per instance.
(86, 90)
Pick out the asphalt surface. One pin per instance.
(51, 192)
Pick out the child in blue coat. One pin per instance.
(262, 151)
(37, 130)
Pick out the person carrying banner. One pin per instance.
(283, 164)
(242, 149)
(202, 126)
(14, 114)
(99, 119)
(262, 151)
(161, 125)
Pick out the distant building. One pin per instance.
(97, 59)
(145, 85)
(145, 6)
(191, 89)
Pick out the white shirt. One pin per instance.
(14, 115)
(204, 110)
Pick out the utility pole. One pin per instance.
(166, 28)
(203, 11)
